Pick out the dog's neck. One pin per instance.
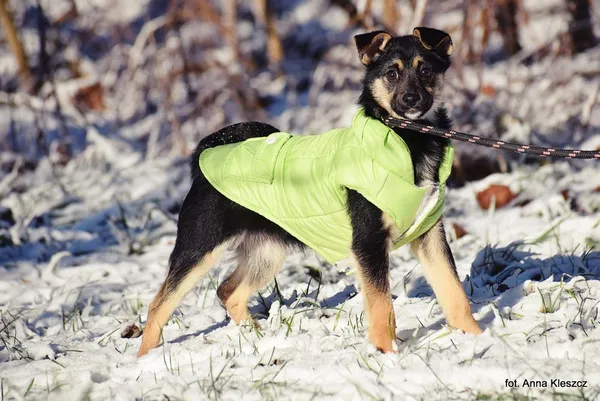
(427, 151)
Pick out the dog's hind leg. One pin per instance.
(259, 259)
(435, 255)
(177, 284)
(200, 243)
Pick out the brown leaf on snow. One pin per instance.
(68, 16)
(502, 193)
(60, 153)
(459, 231)
(488, 90)
(90, 98)
(131, 331)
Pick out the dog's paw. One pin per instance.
(385, 349)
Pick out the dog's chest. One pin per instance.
(426, 167)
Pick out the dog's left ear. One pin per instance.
(371, 45)
(435, 40)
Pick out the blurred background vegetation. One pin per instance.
(155, 76)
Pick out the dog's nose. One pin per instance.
(411, 99)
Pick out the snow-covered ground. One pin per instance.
(87, 245)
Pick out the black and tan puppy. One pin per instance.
(403, 78)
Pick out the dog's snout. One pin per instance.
(411, 99)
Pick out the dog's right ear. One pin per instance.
(371, 45)
(434, 40)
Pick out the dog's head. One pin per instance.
(405, 73)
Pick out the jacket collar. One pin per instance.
(383, 145)
(389, 150)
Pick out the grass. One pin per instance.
(103, 342)
(516, 394)
(363, 362)
(550, 299)
(364, 392)
(551, 230)
(133, 227)
(513, 395)
(71, 318)
(29, 387)
(268, 376)
(169, 362)
(275, 390)
(8, 336)
(218, 382)
(134, 306)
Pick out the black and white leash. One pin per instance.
(492, 143)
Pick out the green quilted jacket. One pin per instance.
(299, 182)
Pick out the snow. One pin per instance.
(90, 240)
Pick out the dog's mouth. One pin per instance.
(413, 114)
(412, 111)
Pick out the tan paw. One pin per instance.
(467, 324)
(382, 339)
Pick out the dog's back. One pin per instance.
(231, 134)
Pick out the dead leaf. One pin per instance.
(501, 193)
(131, 331)
(90, 98)
(70, 15)
(60, 153)
(459, 231)
(488, 90)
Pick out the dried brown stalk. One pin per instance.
(14, 43)
(581, 28)
(391, 15)
(506, 21)
(265, 15)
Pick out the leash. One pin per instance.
(492, 143)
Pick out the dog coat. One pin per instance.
(299, 182)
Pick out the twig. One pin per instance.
(506, 21)
(9, 178)
(391, 15)
(418, 13)
(230, 18)
(465, 40)
(191, 93)
(274, 47)
(589, 104)
(136, 52)
(14, 43)
(365, 19)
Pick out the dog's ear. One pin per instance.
(435, 40)
(371, 45)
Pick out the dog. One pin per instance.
(404, 76)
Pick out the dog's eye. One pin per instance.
(392, 75)
(425, 72)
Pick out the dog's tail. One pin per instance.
(230, 134)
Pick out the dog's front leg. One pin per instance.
(435, 256)
(373, 274)
(370, 249)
